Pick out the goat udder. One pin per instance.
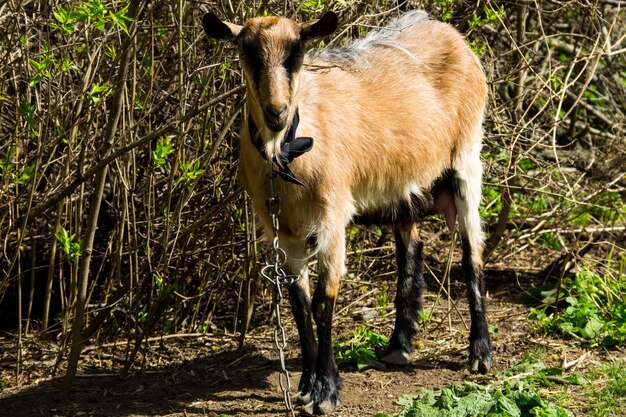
(444, 204)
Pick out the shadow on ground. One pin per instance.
(191, 378)
(227, 377)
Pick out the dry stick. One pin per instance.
(252, 276)
(121, 292)
(445, 291)
(91, 348)
(225, 129)
(96, 199)
(18, 365)
(164, 298)
(51, 265)
(507, 198)
(31, 294)
(44, 206)
(447, 278)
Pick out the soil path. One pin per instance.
(208, 376)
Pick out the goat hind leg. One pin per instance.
(467, 199)
(408, 301)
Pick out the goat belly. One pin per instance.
(412, 210)
(406, 211)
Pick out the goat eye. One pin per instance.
(293, 59)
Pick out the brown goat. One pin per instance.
(396, 122)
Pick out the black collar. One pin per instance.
(291, 147)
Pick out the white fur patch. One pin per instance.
(387, 36)
(468, 173)
(372, 199)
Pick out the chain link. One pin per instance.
(276, 278)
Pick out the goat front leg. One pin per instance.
(299, 295)
(331, 266)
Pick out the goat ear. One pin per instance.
(219, 30)
(326, 25)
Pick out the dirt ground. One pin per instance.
(205, 375)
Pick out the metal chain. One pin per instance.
(276, 278)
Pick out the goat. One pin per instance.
(390, 130)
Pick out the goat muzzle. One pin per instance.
(276, 117)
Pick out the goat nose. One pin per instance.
(277, 112)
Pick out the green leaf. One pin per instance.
(120, 18)
(593, 327)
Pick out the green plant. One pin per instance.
(98, 91)
(314, 7)
(382, 299)
(26, 175)
(514, 393)
(142, 315)
(224, 68)
(92, 13)
(7, 163)
(478, 47)
(424, 316)
(162, 150)
(190, 172)
(549, 240)
(27, 112)
(238, 218)
(164, 288)
(595, 309)
(68, 65)
(490, 16)
(492, 203)
(71, 247)
(608, 206)
(361, 349)
(41, 68)
(447, 9)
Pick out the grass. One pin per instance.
(608, 391)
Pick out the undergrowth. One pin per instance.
(360, 350)
(591, 308)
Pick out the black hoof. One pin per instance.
(396, 357)
(324, 396)
(480, 366)
(307, 380)
(398, 351)
(480, 356)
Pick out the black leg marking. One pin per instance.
(480, 342)
(408, 301)
(301, 307)
(325, 392)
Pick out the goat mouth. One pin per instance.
(275, 126)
